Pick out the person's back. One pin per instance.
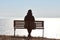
(29, 21)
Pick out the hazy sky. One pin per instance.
(51, 28)
(19, 8)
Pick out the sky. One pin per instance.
(40, 8)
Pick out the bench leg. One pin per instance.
(14, 31)
(43, 33)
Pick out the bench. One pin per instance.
(19, 24)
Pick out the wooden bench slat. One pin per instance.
(20, 24)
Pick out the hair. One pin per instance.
(29, 12)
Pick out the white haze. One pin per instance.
(51, 25)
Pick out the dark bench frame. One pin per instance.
(18, 24)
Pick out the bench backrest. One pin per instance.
(19, 24)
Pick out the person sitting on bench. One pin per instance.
(29, 21)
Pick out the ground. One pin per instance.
(4, 37)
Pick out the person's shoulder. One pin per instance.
(33, 16)
(26, 16)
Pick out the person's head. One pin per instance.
(29, 12)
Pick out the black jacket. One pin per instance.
(29, 22)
